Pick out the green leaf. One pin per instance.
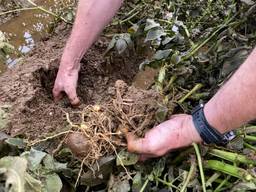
(121, 42)
(167, 40)
(175, 59)
(161, 114)
(51, 164)
(35, 158)
(248, 2)
(233, 59)
(112, 43)
(150, 24)
(118, 185)
(16, 142)
(158, 169)
(137, 182)
(52, 183)
(32, 185)
(126, 158)
(154, 34)
(243, 187)
(14, 169)
(100, 173)
(16, 177)
(127, 38)
(162, 54)
(121, 46)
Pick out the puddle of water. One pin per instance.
(26, 29)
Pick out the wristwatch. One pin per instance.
(208, 133)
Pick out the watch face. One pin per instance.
(229, 135)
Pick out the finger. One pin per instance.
(74, 100)
(137, 145)
(145, 157)
(57, 94)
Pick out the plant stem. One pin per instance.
(195, 88)
(212, 179)
(199, 159)
(17, 10)
(229, 169)
(222, 183)
(249, 146)
(167, 184)
(199, 96)
(144, 185)
(49, 12)
(190, 173)
(199, 46)
(250, 138)
(127, 19)
(171, 81)
(233, 157)
(250, 129)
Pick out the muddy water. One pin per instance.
(26, 29)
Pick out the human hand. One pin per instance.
(175, 133)
(66, 82)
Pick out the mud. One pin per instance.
(27, 88)
(24, 29)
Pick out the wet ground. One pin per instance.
(27, 27)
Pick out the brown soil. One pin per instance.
(102, 87)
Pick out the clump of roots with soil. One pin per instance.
(100, 129)
(179, 51)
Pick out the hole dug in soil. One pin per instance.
(109, 105)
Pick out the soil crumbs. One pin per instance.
(110, 104)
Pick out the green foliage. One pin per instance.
(196, 46)
(32, 171)
(126, 158)
(5, 47)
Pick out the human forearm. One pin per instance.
(234, 104)
(92, 17)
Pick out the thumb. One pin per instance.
(74, 100)
(136, 145)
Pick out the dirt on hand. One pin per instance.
(109, 103)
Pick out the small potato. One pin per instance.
(78, 144)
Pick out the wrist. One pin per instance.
(215, 118)
(69, 66)
(191, 131)
(188, 133)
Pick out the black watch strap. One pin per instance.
(209, 134)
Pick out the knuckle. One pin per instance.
(159, 153)
(55, 91)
